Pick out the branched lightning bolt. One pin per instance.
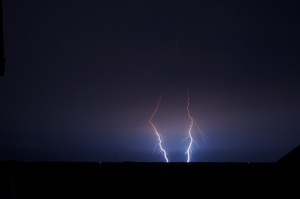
(156, 132)
(189, 150)
(192, 123)
(204, 136)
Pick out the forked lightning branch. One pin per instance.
(189, 136)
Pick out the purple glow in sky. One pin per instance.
(82, 78)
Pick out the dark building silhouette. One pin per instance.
(291, 160)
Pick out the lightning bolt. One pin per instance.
(204, 136)
(189, 150)
(192, 123)
(155, 130)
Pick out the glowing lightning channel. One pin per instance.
(189, 150)
(156, 132)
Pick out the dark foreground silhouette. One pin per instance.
(151, 180)
(145, 180)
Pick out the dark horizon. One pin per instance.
(82, 79)
(81, 180)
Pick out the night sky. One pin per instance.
(83, 78)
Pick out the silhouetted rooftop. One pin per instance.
(291, 158)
